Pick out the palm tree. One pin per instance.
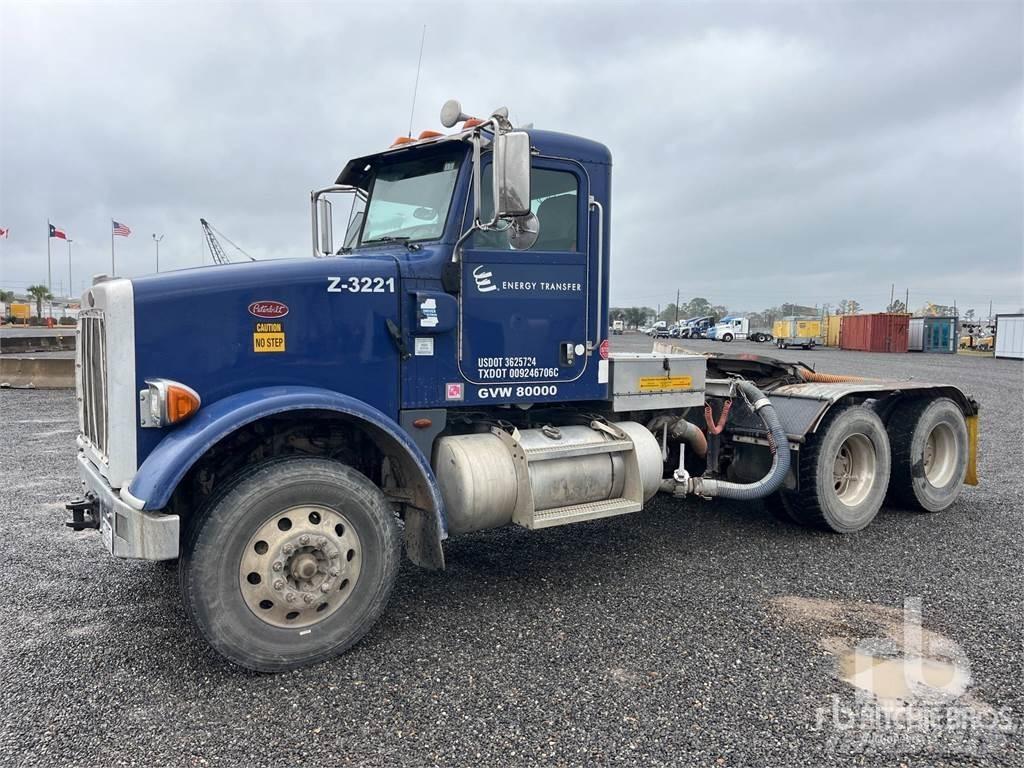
(40, 293)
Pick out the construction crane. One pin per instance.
(216, 249)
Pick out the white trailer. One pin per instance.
(1010, 336)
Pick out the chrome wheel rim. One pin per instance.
(300, 566)
(940, 455)
(853, 472)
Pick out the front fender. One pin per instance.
(164, 468)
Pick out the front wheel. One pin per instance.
(844, 472)
(291, 564)
(727, 337)
(929, 453)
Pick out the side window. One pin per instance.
(554, 198)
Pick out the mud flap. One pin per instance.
(971, 478)
(423, 538)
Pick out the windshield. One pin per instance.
(410, 200)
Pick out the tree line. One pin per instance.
(634, 317)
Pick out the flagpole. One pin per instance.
(113, 270)
(49, 276)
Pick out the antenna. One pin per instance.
(416, 86)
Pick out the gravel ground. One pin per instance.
(689, 634)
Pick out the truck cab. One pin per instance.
(286, 429)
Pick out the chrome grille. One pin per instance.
(92, 344)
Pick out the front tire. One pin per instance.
(291, 564)
(727, 337)
(844, 473)
(929, 454)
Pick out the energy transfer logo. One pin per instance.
(483, 280)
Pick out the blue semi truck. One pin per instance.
(284, 429)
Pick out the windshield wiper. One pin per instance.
(404, 239)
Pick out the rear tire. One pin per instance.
(312, 529)
(844, 472)
(929, 454)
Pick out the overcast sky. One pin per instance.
(762, 152)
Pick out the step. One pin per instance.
(556, 451)
(577, 513)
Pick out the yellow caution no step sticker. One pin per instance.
(665, 383)
(268, 337)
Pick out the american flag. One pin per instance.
(120, 229)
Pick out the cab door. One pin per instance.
(524, 314)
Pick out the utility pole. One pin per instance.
(157, 241)
(892, 295)
(990, 310)
(906, 301)
(71, 286)
(677, 306)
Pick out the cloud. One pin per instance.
(763, 152)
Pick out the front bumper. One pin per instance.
(127, 531)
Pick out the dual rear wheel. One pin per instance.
(852, 462)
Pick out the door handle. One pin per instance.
(568, 354)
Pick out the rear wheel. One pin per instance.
(844, 473)
(291, 565)
(929, 454)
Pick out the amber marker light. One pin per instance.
(167, 402)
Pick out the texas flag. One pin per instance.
(4, 232)
(54, 232)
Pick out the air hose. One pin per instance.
(778, 443)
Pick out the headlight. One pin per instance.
(166, 402)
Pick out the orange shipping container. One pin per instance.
(880, 332)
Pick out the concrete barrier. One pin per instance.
(37, 372)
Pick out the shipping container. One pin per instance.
(940, 334)
(1010, 336)
(932, 334)
(832, 325)
(880, 332)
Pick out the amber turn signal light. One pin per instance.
(167, 402)
(182, 402)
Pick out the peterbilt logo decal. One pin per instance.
(483, 280)
(268, 310)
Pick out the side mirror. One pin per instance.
(523, 232)
(512, 174)
(326, 220)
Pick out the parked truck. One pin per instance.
(696, 327)
(737, 328)
(282, 428)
